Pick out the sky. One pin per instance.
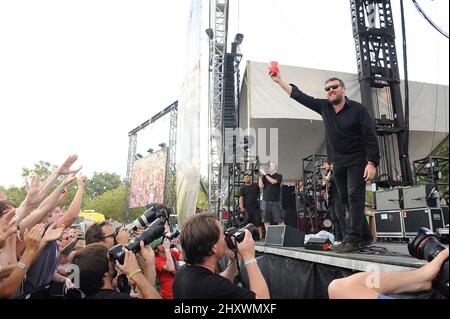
(77, 76)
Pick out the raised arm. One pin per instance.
(75, 207)
(46, 206)
(33, 239)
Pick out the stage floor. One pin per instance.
(383, 256)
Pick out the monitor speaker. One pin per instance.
(284, 236)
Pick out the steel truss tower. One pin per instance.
(170, 183)
(373, 30)
(218, 47)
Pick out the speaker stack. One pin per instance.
(401, 212)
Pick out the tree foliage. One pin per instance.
(101, 183)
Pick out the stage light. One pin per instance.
(210, 33)
(238, 38)
(162, 145)
(150, 150)
(139, 155)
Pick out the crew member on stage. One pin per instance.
(352, 147)
(334, 204)
(249, 202)
(271, 204)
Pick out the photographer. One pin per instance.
(203, 242)
(357, 286)
(105, 234)
(97, 273)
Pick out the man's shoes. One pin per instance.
(363, 244)
(344, 248)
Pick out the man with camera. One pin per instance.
(97, 272)
(105, 234)
(352, 148)
(203, 241)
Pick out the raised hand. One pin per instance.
(7, 228)
(34, 237)
(146, 255)
(81, 181)
(64, 169)
(53, 232)
(35, 192)
(69, 179)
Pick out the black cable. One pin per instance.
(429, 20)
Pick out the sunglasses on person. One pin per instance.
(334, 87)
(113, 235)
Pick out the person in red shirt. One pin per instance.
(166, 268)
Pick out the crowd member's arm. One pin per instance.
(64, 169)
(57, 277)
(46, 206)
(258, 284)
(131, 268)
(146, 260)
(52, 233)
(33, 239)
(7, 229)
(36, 191)
(75, 207)
(359, 285)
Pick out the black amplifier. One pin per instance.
(389, 223)
(430, 218)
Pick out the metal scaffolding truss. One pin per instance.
(170, 184)
(170, 193)
(218, 47)
(378, 71)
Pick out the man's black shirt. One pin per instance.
(272, 192)
(350, 134)
(251, 195)
(197, 282)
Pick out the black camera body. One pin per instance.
(426, 246)
(239, 234)
(152, 232)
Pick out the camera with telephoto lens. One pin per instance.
(153, 211)
(157, 215)
(426, 246)
(239, 235)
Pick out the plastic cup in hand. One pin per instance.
(273, 68)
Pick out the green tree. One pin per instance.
(42, 169)
(101, 183)
(16, 194)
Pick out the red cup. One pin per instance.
(273, 68)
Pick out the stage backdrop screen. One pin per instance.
(148, 180)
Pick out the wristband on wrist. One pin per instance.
(21, 265)
(133, 273)
(250, 261)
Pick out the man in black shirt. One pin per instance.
(249, 201)
(352, 147)
(271, 205)
(203, 241)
